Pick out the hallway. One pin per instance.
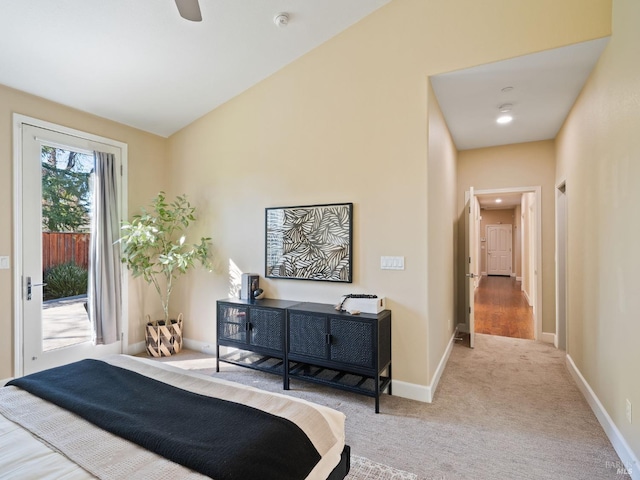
(502, 309)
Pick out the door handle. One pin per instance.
(471, 275)
(30, 285)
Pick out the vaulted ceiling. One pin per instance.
(141, 64)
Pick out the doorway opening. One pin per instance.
(502, 309)
(508, 246)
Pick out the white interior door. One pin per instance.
(471, 264)
(58, 332)
(499, 250)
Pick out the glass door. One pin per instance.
(57, 173)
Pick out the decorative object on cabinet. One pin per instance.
(154, 248)
(249, 284)
(309, 242)
(308, 341)
(361, 303)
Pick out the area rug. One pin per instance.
(364, 469)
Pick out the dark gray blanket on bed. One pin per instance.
(218, 438)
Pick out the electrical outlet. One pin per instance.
(628, 411)
(4, 263)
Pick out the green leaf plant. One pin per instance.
(154, 245)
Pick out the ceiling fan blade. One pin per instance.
(189, 9)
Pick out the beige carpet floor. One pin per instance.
(507, 409)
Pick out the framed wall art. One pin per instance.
(310, 242)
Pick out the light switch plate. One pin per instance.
(4, 263)
(392, 263)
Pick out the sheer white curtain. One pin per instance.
(104, 290)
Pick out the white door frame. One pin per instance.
(537, 308)
(561, 267)
(18, 121)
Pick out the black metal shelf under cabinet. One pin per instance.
(349, 352)
(256, 330)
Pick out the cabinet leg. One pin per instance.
(390, 382)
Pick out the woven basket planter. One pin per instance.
(163, 340)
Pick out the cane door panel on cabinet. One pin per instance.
(308, 335)
(352, 342)
(267, 328)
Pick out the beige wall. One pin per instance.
(348, 122)
(512, 166)
(441, 233)
(598, 154)
(497, 217)
(147, 174)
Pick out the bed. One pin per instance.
(237, 431)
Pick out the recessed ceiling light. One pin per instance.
(503, 119)
(507, 89)
(498, 200)
(505, 107)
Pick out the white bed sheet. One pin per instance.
(39, 440)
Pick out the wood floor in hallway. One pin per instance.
(502, 309)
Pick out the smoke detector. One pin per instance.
(281, 19)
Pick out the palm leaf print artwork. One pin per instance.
(309, 243)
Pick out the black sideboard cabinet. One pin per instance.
(308, 341)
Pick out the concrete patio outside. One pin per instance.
(65, 322)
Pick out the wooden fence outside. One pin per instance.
(59, 248)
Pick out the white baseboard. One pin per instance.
(548, 337)
(205, 347)
(4, 381)
(136, 348)
(518, 279)
(424, 393)
(412, 391)
(195, 345)
(627, 457)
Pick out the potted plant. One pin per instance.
(155, 248)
